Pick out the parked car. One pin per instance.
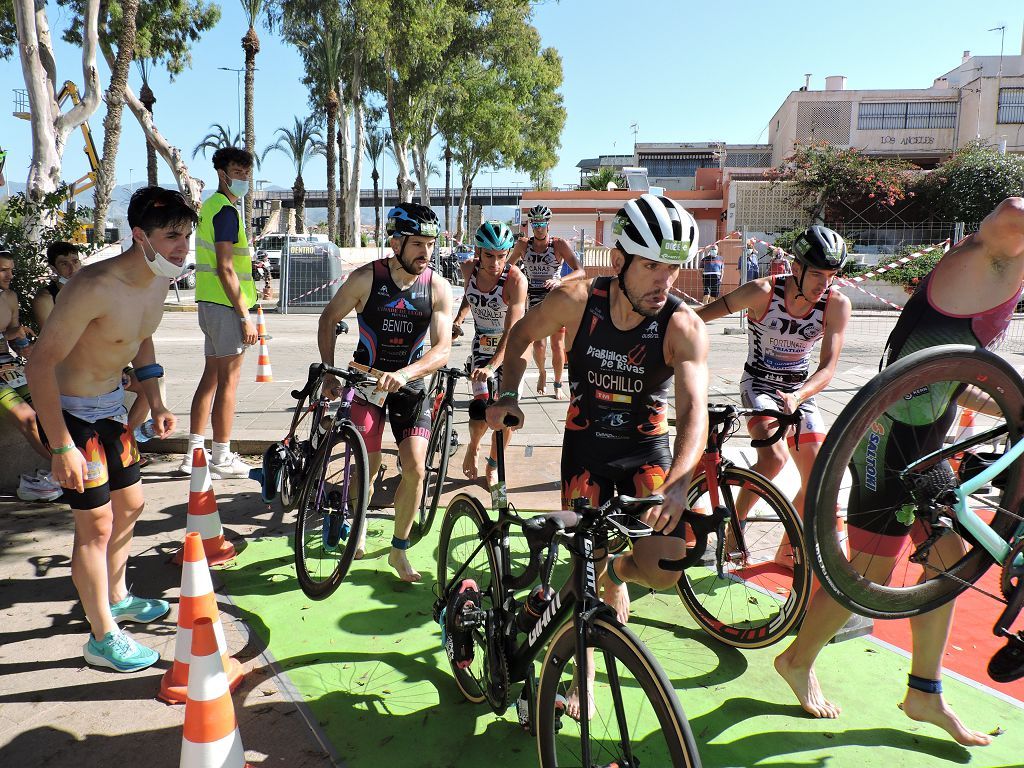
(270, 247)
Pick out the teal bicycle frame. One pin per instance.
(978, 528)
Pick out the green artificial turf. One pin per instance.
(368, 662)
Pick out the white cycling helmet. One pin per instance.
(657, 228)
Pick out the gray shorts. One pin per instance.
(222, 328)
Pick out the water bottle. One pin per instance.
(145, 431)
(535, 604)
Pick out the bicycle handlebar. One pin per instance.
(721, 414)
(317, 371)
(542, 532)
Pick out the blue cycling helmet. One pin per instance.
(412, 219)
(495, 236)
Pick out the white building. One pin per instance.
(983, 98)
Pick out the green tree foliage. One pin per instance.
(913, 272)
(604, 177)
(971, 183)
(166, 29)
(826, 177)
(20, 219)
(218, 137)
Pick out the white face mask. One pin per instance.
(160, 265)
(62, 280)
(239, 187)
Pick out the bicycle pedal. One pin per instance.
(1007, 665)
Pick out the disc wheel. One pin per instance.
(870, 465)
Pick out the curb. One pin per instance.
(181, 307)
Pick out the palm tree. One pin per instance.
(299, 144)
(376, 140)
(148, 100)
(604, 177)
(253, 10)
(324, 60)
(218, 137)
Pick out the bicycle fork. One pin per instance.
(722, 515)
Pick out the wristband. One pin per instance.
(151, 371)
(509, 393)
(402, 376)
(63, 449)
(19, 343)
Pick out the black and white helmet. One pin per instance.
(540, 213)
(656, 228)
(821, 248)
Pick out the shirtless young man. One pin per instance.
(105, 320)
(15, 400)
(496, 296)
(788, 316)
(968, 298)
(398, 300)
(541, 259)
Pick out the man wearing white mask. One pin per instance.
(225, 292)
(105, 320)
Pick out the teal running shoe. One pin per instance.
(139, 609)
(118, 651)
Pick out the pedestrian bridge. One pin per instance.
(317, 198)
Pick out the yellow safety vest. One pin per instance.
(208, 285)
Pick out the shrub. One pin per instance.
(911, 273)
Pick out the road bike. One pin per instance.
(441, 445)
(905, 461)
(321, 468)
(746, 579)
(492, 639)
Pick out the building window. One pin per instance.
(677, 166)
(1011, 105)
(903, 115)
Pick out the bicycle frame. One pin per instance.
(978, 528)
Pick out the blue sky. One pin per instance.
(682, 71)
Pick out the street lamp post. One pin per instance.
(238, 95)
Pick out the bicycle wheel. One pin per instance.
(331, 512)
(300, 451)
(903, 414)
(434, 472)
(463, 529)
(636, 720)
(753, 601)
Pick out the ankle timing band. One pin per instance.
(398, 543)
(924, 684)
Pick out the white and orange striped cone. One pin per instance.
(210, 738)
(263, 371)
(966, 426)
(197, 601)
(203, 516)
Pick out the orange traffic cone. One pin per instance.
(203, 517)
(263, 372)
(210, 738)
(966, 427)
(196, 602)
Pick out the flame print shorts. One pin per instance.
(585, 475)
(111, 455)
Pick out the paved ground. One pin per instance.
(55, 710)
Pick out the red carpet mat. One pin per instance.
(971, 643)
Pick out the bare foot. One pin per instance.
(784, 556)
(616, 596)
(931, 708)
(398, 560)
(490, 476)
(361, 546)
(805, 685)
(469, 462)
(542, 382)
(572, 703)
(557, 394)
